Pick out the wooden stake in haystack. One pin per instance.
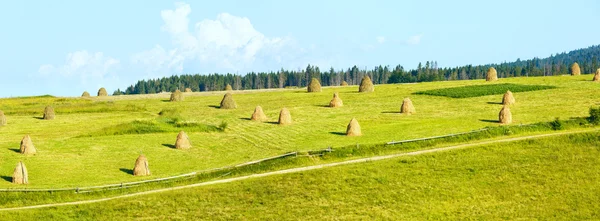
(258, 114)
(353, 128)
(141, 166)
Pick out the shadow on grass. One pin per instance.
(169, 145)
(390, 112)
(125, 170)
(489, 121)
(16, 150)
(494, 102)
(320, 105)
(7, 178)
(39, 118)
(165, 100)
(215, 106)
(245, 118)
(338, 133)
(273, 122)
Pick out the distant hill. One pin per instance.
(558, 64)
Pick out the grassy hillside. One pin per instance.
(552, 178)
(96, 141)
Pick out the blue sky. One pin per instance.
(66, 47)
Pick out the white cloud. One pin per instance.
(414, 40)
(380, 39)
(83, 65)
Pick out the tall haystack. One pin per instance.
(285, 117)
(407, 107)
(508, 98)
(336, 101)
(366, 85)
(176, 96)
(491, 75)
(228, 102)
(2, 118)
(258, 114)
(49, 113)
(505, 117)
(141, 166)
(314, 86)
(183, 141)
(187, 89)
(575, 70)
(353, 128)
(597, 75)
(27, 147)
(102, 92)
(228, 87)
(20, 175)
(344, 83)
(85, 94)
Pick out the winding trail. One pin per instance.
(295, 170)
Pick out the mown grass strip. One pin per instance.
(483, 90)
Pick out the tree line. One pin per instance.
(558, 64)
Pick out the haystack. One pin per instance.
(20, 174)
(228, 102)
(366, 85)
(491, 75)
(141, 166)
(188, 90)
(344, 83)
(49, 113)
(228, 87)
(353, 128)
(85, 94)
(2, 118)
(27, 146)
(285, 117)
(508, 98)
(505, 117)
(575, 70)
(183, 141)
(258, 114)
(176, 96)
(597, 75)
(407, 107)
(102, 92)
(314, 86)
(336, 101)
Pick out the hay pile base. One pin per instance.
(491, 75)
(183, 141)
(27, 146)
(353, 128)
(188, 90)
(85, 94)
(141, 166)
(176, 96)
(407, 107)
(228, 102)
(20, 175)
(366, 85)
(228, 87)
(508, 98)
(505, 117)
(575, 70)
(336, 101)
(258, 114)
(597, 76)
(284, 117)
(2, 118)
(344, 83)
(49, 113)
(102, 92)
(314, 86)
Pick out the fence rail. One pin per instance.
(435, 137)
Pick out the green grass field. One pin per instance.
(96, 141)
(543, 179)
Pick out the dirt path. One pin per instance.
(294, 170)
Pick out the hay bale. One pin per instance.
(258, 114)
(407, 107)
(102, 92)
(314, 86)
(285, 117)
(183, 141)
(49, 113)
(491, 75)
(336, 101)
(27, 147)
(228, 102)
(597, 76)
(85, 94)
(228, 87)
(508, 98)
(141, 166)
(366, 85)
(188, 90)
(2, 118)
(176, 96)
(344, 83)
(353, 128)
(20, 175)
(505, 117)
(575, 70)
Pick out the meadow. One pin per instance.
(96, 141)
